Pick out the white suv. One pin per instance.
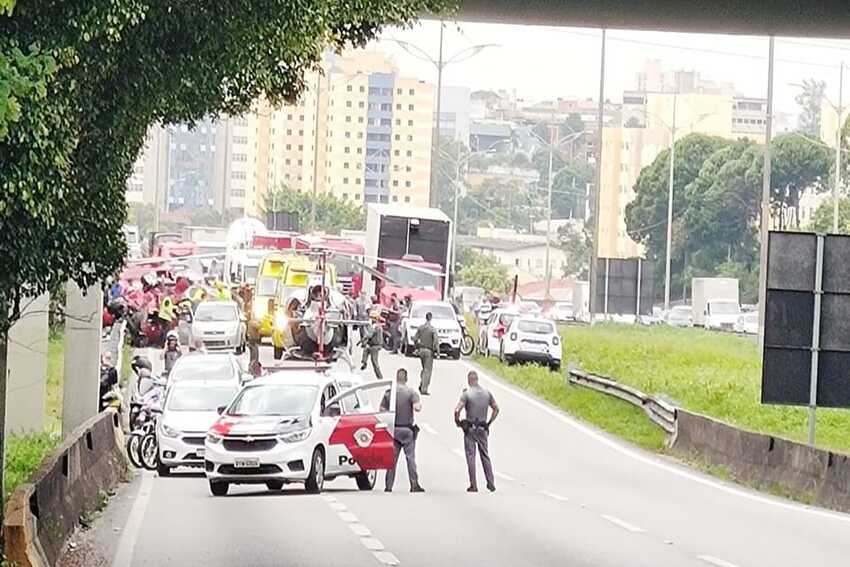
(531, 339)
(444, 321)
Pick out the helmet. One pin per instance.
(218, 284)
(172, 335)
(141, 362)
(375, 315)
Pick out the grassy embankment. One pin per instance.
(714, 374)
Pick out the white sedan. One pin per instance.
(295, 426)
(190, 409)
(531, 339)
(218, 325)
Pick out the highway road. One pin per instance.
(567, 495)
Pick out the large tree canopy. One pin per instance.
(81, 81)
(332, 214)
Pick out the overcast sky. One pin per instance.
(544, 63)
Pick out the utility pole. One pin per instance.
(161, 132)
(765, 195)
(838, 140)
(670, 207)
(433, 198)
(316, 152)
(454, 216)
(600, 113)
(554, 139)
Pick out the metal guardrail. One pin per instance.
(659, 411)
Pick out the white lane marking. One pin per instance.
(360, 530)
(553, 496)
(459, 453)
(372, 544)
(329, 498)
(427, 427)
(504, 476)
(127, 542)
(337, 506)
(715, 561)
(386, 558)
(616, 446)
(347, 517)
(623, 524)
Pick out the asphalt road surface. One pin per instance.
(567, 496)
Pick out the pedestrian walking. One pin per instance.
(406, 431)
(475, 401)
(427, 345)
(372, 343)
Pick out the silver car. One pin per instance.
(218, 325)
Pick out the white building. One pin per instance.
(524, 255)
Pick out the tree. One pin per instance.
(569, 190)
(479, 270)
(83, 81)
(822, 221)
(332, 214)
(810, 100)
(576, 246)
(212, 217)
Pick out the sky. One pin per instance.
(549, 62)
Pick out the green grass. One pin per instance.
(710, 373)
(24, 455)
(55, 378)
(610, 414)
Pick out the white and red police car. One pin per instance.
(302, 426)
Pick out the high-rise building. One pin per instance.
(455, 111)
(149, 178)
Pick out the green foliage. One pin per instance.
(55, 380)
(478, 270)
(24, 454)
(81, 82)
(576, 246)
(810, 100)
(569, 190)
(822, 221)
(211, 217)
(332, 214)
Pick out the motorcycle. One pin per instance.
(144, 410)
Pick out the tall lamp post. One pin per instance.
(440, 63)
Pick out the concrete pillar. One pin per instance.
(27, 368)
(82, 355)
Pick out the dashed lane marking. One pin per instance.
(347, 517)
(715, 561)
(372, 544)
(329, 498)
(363, 533)
(386, 558)
(553, 496)
(337, 506)
(504, 476)
(427, 427)
(459, 453)
(360, 530)
(623, 524)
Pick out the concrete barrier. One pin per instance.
(72, 482)
(819, 476)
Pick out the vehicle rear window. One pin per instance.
(536, 327)
(216, 312)
(506, 319)
(200, 399)
(266, 286)
(202, 368)
(275, 400)
(437, 311)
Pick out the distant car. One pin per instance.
(529, 307)
(218, 325)
(298, 427)
(445, 321)
(218, 366)
(721, 315)
(748, 323)
(189, 410)
(490, 333)
(531, 339)
(562, 312)
(679, 316)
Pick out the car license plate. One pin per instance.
(534, 347)
(246, 463)
(200, 453)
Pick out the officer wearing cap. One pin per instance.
(475, 401)
(427, 347)
(372, 343)
(406, 431)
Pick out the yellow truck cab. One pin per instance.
(301, 272)
(270, 278)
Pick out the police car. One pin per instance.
(530, 338)
(301, 426)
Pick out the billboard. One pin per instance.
(624, 286)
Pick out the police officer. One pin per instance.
(371, 343)
(172, 351)
(406, 403)
(475, 401)
(427, 347)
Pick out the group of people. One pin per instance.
(479, 409)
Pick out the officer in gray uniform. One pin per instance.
(406, 403)
(475, 401)
(371, 343)
(427, 345)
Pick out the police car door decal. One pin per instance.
(365, 430)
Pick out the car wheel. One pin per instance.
(366, 480)
(502, 354)
(162, 469)
(455, 354)
(555, 366)
(218, 488)
(274, 484)
(316, 480)
(278, 353)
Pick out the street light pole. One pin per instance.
(600, 115)
(316, 152)
(670, 206)
(554, 138)
(454, 216)
(838, 151)
(433, 198)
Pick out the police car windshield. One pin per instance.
(200, 398)
(275, 400)
(266, 286)
(536, 327)
(438, 311)
(215, 312)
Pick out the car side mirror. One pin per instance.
(332, 410)
(220, 409)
